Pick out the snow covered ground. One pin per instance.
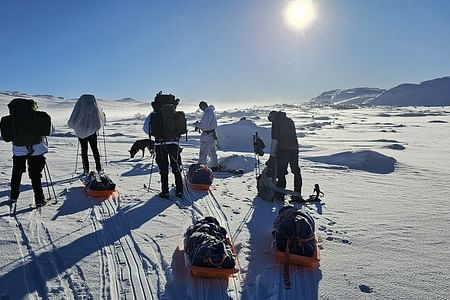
(384, 222)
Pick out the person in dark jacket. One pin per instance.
(24, 129)
(166, 152)
(284, 151)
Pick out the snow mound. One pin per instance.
(238, 136)
(366, 160)
(233, 162)
(395, 147)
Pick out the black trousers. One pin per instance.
(166, 154)
(92, 140)
(35, 166)
(285, 158)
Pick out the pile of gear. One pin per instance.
(207, 245)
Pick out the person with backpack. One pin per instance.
(26, 128)
(284, 152)
(167, 125)
(208, 125)
(87, 119)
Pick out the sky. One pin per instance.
(233, 51)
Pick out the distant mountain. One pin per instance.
(434, 92)
(350, 96)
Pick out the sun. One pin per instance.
(299, 13)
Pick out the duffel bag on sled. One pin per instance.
(294, 238)
(200, 177)
(208, 250)
(99, 185)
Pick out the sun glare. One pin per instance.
(299, 13)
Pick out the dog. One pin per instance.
(141, 145)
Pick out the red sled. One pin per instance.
(304, 261)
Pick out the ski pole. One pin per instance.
(76, 159)
(51, 182)
(48, 184)
(151, 172)
(104, 145)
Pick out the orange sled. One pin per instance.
(100, 194)
(300, 260)
(210, 272)
(206, 272)
(200, 187)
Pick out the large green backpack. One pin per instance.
(167, 123)
(25, 125)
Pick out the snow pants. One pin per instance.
(285, 158)
(166, 154)
(35, 166)
(208, 148)
(92, 140)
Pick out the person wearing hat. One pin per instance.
(208, 125)
(284, 152)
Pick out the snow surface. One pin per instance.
(384, 234)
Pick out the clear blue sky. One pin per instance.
(219, 50)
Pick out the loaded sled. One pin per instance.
(209, 253)
(294, 237)
(99, 185)
(200, 177)
(295, 240)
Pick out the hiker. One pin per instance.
(284, 151)
(26, 127)
(208, 125)
(87, 119)
(167, 125)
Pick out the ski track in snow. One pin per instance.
(67, 284)
(207, 205)
(122, 264)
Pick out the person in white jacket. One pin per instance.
(87, 119)
(208, 125)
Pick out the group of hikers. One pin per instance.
(27, 128)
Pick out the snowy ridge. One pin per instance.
(435, 92)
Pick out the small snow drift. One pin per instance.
(234, 162)
(366, 160)
(395, 147)
(238, 136)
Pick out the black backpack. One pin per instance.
(258, 145)
(25, 125)
(167, 123)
